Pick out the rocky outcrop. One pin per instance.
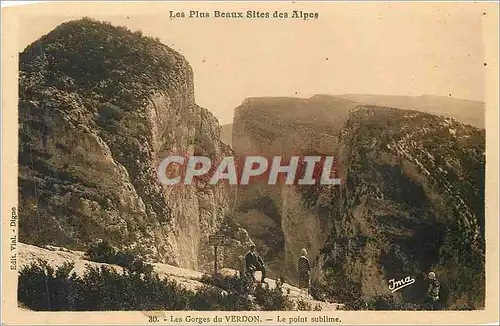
(465, 111)
(412, 198)
(226, 134)
(275, 215)
(99, 108)
(286, 126)
(413, 201)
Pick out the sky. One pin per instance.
(364, 48)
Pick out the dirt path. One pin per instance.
(190, 279)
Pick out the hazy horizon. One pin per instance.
(389, 49)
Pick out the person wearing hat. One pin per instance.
(253, 263)
(433, 291)
(304, 272)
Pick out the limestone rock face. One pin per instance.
(412, 198)
(275, 215)
(226, 134)
(413, 201)
(99, 108)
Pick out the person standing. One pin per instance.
(433, 291)
(304, 268)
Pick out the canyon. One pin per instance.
(101, 106)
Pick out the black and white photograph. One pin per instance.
(309, 158)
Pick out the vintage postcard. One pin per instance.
(271, 163)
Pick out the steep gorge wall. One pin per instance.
(413, 201)
(99, 108)
(285, 127)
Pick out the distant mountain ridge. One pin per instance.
(465, 111)
(99, 108)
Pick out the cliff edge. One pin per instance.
(99, 108)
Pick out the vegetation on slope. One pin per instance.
(101, 288)
(101, 62)
(413, 201)
(86, 83)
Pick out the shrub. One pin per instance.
(101, 288)
(41, 287)
(208, 298)
(272, 299)
(303, 305)
(318, 291)
(229, 283)
(264, 298)
(103, 252)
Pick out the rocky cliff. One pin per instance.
(99, 108)
(226, 133)
(273, 214)
(412, 201)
